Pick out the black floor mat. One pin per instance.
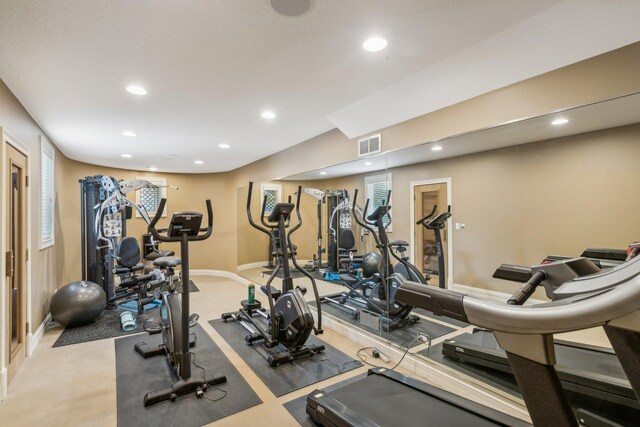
(298, 407)
(135, 376)
(108, 325)
(402, 336)
(294, 274)
(290, 376)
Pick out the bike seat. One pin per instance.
(399, 243)
(159, 254)
(275, 293)
(167, 262)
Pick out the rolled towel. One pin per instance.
(128, 321)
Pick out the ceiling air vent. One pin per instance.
(369, 145)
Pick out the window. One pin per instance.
(150, 198)
(376, 190)
(272, 191)
(47, 194)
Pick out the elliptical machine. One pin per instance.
(289, 319)
(176, 320)
(377, 293)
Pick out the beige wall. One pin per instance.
(45, 264)
(522, 203)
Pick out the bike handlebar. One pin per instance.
(422, 220)
(165, 238)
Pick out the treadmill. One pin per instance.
(610, 299)
(592, 375)
(388, 398)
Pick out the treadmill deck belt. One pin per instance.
(387, 398)
(592, 370)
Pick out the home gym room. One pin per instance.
(319, 213)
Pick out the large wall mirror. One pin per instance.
(549, 185)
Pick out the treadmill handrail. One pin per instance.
(617, 295)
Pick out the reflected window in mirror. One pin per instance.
(273, 193)
(376, 190)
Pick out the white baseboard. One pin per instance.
(243, 267)
(487, 294)
(34, 339)
(220, 273)
(252, 265)
(3, 383)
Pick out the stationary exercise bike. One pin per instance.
(437, 224)
(290, 322)
(176, 320)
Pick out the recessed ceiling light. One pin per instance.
(129, 133)
(436, 148)
(323, 173)
(268, 115)
(368, 163)
(136, 90)
(198, 162)
(560, 121)
(223, 145)
(152, 168)
(374, 44)
(126, 156)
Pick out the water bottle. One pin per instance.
(252, 293)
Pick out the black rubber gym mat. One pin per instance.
(298, 407)
(294, 274)
(290, 376)
(108, 325)
(402, 336)
(135, 376)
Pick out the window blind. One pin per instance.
(47, 194)
(376, 190)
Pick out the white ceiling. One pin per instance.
(602, 115)
(211, 67)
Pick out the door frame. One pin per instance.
(412, 230)
(7, 138)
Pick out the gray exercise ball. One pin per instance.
(78, 304)
(371, 264)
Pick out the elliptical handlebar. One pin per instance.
(253, 224)
(298, 215)
(166, 238)
(363, 222)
